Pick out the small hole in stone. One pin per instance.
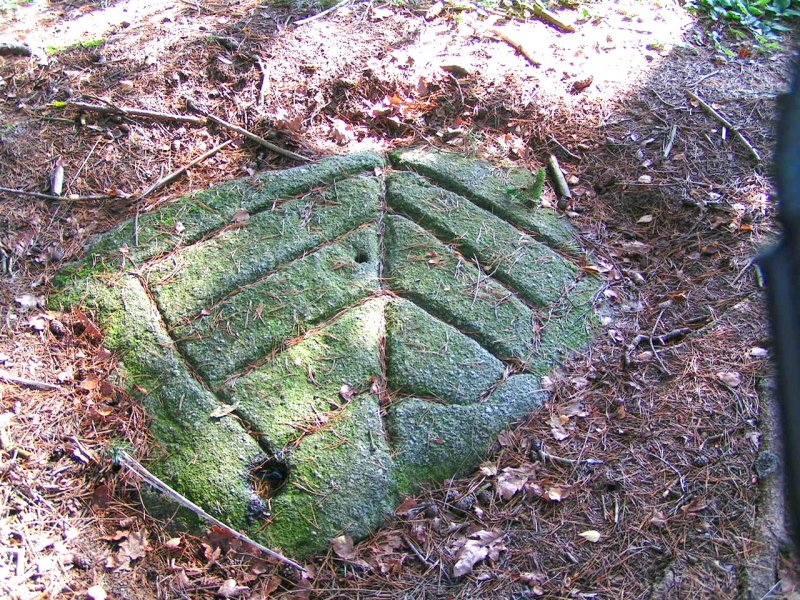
(362, 257)
(269, 476)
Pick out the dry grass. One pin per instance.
(660, 449)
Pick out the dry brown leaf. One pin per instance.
(557, 428)
(136, 546)
(230, 589)
(511, 480)
(481, 545)
(730, 378)
(343, 547)
(591, 535)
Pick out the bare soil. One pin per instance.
(652, 445)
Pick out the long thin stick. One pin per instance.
(725, 123)
(41, 385)
(515, 45)
(262, 91)
(177, 173)
(136, 112)
(319, 15)
(51, 197)
(545, 16)
(277, 149)
(127, 460)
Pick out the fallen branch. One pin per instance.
(136, 467)
(52, 197)
(177, 173)
(14, 49)
(262, 91)
(559, 182)
(319, 15)
(135, 112)
(515, 45)
(193, 106)
(725, 123)
(40, 385)
(661, 340)
(546, 16)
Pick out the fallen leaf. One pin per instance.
(730, 378)
(136, 546)
(346, 392)
(645, 218)
(230, 589)
(343, 547)
(645, 179)
(224, 410)
(179, 227)
(481, 545)
(757, 352)
(434, 11)
(29, 301)
(90, 383)
(511, 480)
(57, 178)
(241, 216)
(173, 543)
(590, 535)
(407, 507)
(658, 519)
(96, 592)
(557, 428)
(489, 470)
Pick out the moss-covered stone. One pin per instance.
(192, 278)
(421, 268)
(510, 193)
(426, 357)
(539, 275)
(206, 211)
(297, 392)
(435, 441)
(251, 324)
(207, 459)
(292, 392)
(341, 481)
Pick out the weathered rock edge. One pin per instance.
(351, 441)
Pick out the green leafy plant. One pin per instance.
(765, 19)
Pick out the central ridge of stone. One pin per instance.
(313, 344)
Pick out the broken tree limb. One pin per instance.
(52, 197)
(725, 123)
(178, 172)
(545, 16)
(126, 460)
(39, 385)
(14, 48)
(559, 182)
(319, 15)
(193, 106)
(135, 112)
(515, 45)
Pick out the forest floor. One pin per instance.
(661, 446)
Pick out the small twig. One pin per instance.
(319, 15)
(425, 560)
(725, 123)
(177, 173)
(703, 78)
(564, 148)
(83, 164)
(545, 16)
(544, 455)
(660, 340)
(40, 385)
(262, 91)
(221, 122)
(653, 347)
(52, 197)
(515, 45)
(136, 112)
(670, 140)
(126, 460)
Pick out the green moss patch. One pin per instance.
(341, 481)
(300, 391)
(431, 274)
(426, 357)
(510, 193)
(194, 277)
(435, 441)
(251, 324)
(189, 219)
(531, 268)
